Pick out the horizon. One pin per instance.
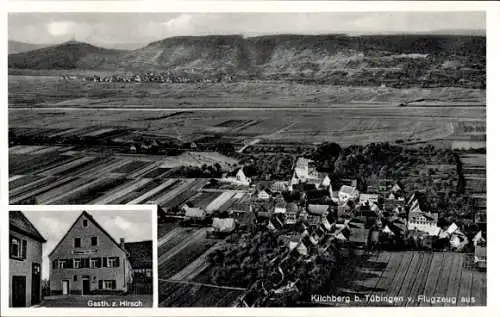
(136, 45)
(108, 29)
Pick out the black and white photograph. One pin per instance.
(92, 259)
(321, 159)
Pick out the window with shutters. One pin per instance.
(18, 248)
(77, 243)
(109, 284)
(60, 264)
(95, 263)
(113, 262)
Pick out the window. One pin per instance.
(76, 263)
(60, 264)
(113, 262)
(77, 243)
(95, 263)
(85, 222)
(75, 278)
(18, 248)
(93, 240)
(107, 284)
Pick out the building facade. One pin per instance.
(25, 261)
(88, 260)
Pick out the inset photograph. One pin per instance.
(79, 258)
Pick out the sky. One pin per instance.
(106, 29)
(53, 225)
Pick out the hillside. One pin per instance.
(393, 60)
(69, 55)
(21, 47)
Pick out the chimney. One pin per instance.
(122, 243)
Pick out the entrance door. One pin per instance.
(35, 283)
(65, 287)
(19, 291)
(86, 287)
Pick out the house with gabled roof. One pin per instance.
(88, 260)
(25, 261)
(348, 193)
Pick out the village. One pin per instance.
(311, 220)
(154, 77)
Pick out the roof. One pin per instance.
(318, 209)
(279, 186)
(347, 189)
(359, 235)
(368, 196)
(301, 187)
(223, 224)
(19, 223)
(292, 207)
(429, 216)
(140, 254)
(89, 217)
(302, 162)
(194, 212)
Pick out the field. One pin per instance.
(64, 175)
(182, 252)
(243, 112)
(412, 274)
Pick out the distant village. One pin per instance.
(153, 77)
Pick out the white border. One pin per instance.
(244, 6)
(493, 116)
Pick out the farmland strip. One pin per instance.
(39, 190)
(86, 193)
(153, 193)
(67, 166)
(421, 277)
(465, 287)
(197, 266)
(386, 279)
(120, 192)
(172, 280)
(453, 283)
(220, 200)
(410, 276)
(101, 166)
(172, 252)
(433, 276)
(56, 192)
(181, 235)
(399, 275)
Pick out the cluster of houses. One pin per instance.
(153, 77)
(382, 216)
(86, 261)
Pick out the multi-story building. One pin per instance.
(25, 253)
(88, 260)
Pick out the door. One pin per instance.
(65, 287)
(19, 291)
(86, 287)
(35, 283)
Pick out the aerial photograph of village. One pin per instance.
(295, 159)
